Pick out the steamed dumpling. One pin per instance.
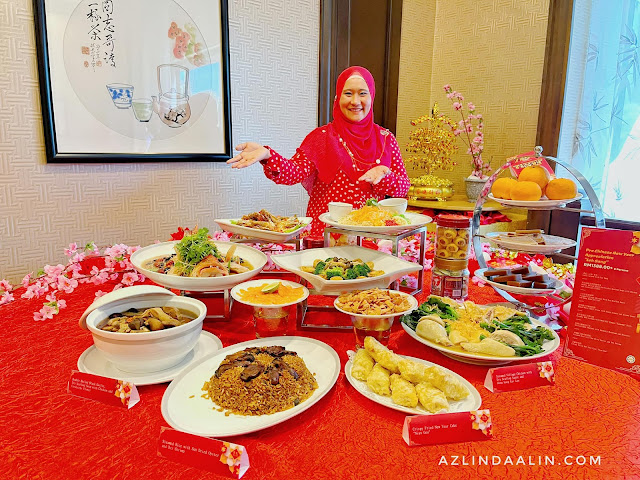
(489, 346)
(433, 331)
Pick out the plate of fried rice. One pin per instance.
(250, 386)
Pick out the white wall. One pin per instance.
(44, 207)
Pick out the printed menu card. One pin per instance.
(604, 327)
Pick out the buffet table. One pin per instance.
(49, 434)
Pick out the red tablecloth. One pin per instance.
(46, 433)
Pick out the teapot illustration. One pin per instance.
(173, 107)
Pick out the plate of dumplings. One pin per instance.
(408, 384)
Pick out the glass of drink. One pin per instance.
(270, 321)
(376, 327)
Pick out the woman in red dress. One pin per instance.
(348, 160)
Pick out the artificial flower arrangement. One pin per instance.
(470, 131)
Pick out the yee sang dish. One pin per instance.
(371, 215)
(138, 320)
(197, 256)
(260, 381)
(470, 328)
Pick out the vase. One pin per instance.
(474, 187)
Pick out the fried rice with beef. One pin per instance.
(260, 381)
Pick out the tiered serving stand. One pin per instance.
(596, 211)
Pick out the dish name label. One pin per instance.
(209, 454)
(117, 393)
(520, 377)
(447, 428)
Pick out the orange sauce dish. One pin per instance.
(284, 294)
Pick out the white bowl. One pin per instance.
(337, 210)
(394, 205)
(198, 284)
(148, 351)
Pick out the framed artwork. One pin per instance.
(134, 80)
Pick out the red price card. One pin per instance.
(520, 377)
(447, 428)
(529, 159)
(604, 322)
(117, 393)
(209, 454)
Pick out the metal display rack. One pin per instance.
(596, 211)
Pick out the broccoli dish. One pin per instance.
(334, 268)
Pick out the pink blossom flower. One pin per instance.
(100, 293)
(447, 87)
(129, 278)
(471, 106)
(51, 297)
(409, 281)
(479, 134)
(47, 311)
(428, 264)
(5, 286)
(37, 316)
(73, 247)
(26, 279)
(478, 281)
(457, 105)
(67, 285)
(221, 236)
(53, 271)
(62, 303)
(78, 257)
(385, 246)
(449, 96)
(6, 298)
(552, 311)
(479, 116)
(457, 132)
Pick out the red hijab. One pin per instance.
(364, 139)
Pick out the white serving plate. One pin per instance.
(393, 267)
(92, 361)
(553, 244)
(235, 291)
(228, 226)
(548, 347)
(184, 408)
(519, 290)
(534, 205)
(198, 284)
(416, 219)
(472, 402)
(411, 299)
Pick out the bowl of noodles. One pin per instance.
(198, 264)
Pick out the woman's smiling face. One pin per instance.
(355, 100)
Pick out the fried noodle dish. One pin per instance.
(260, 381)
(263, 220)
(197, 256)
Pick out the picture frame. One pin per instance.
(142, 81)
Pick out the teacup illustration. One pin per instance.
(142, 109)
(121, 94)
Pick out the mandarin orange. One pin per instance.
(501, 188)
(536, 174)
(527, 191)
(561, 189)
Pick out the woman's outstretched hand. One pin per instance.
(375, 175)
(250, 153)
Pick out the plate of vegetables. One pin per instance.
(479, 334)
(344, 269)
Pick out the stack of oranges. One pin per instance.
(532, 183)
